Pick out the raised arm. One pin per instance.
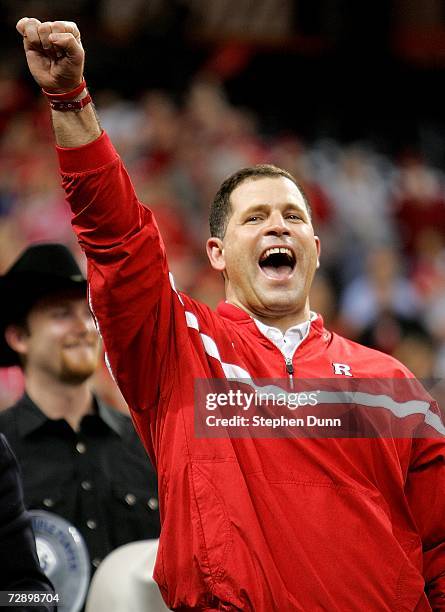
(56, 60)
(140, 316)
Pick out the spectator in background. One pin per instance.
(419, 203)
(362, 219)
(435, 320)
(417, 349)
(428, 277)
(323, 299)
(20, 565)
(80, 459)
(382, 289)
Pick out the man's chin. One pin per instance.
(279, 298)
(273, 289)
(72, 377)
(75, 372)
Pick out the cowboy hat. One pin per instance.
(40, 270)
(124, 581)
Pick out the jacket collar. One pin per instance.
(240, 316)
(30, 417)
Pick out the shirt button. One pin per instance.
(80, 447)
(48, 502)
(153, 503)
(91, 524)
(86, 485)
(96, 561)
(130, 499)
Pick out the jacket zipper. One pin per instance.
(290, 371)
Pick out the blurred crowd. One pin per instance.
(381, 220)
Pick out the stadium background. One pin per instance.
(346, 95)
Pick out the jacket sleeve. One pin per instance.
(139, 314)
(20, 565)
(425, 490)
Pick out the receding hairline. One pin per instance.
(259, 177)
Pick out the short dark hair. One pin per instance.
(221, 209)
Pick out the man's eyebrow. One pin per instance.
(56, 303)
(264, 207)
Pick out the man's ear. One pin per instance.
(215, 253)
(318, 244)
(16, 337)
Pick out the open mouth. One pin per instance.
(277, 263)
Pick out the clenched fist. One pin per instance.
(54, 53)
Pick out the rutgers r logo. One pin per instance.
(342, 369)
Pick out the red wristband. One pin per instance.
(68, 95)
(70, 105)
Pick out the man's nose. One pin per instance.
(84, 324)
(277, 225)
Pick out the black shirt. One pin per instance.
(100, 478)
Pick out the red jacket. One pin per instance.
(251, 524)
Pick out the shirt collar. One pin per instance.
(288, 342)
(30, 417)
(301, 329)
(114, 419)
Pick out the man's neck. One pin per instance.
(58, 400)
(281, 322)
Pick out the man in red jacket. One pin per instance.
(248, 522)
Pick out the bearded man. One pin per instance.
(79, 458)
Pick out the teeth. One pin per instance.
(277, 250)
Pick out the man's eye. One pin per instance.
(60, 312)
(294, 217)
(252, 219)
